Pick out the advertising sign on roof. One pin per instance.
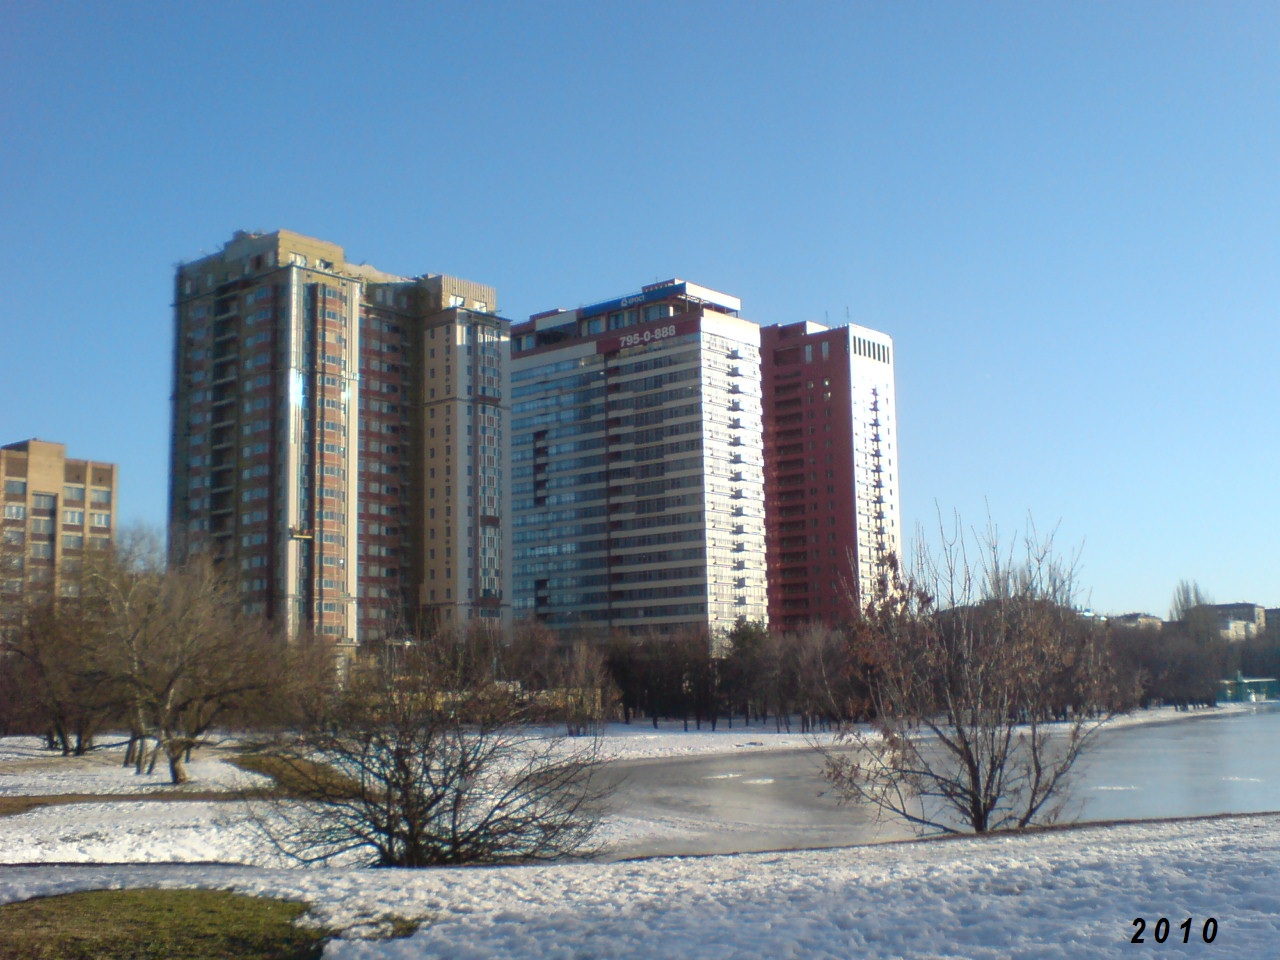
(646, 296)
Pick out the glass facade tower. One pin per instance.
(637, 467)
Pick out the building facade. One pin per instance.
(831, 476)
(637, 465)
(1239, 621)
(337, 436)
(55, 508)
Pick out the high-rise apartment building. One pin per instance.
(338, 436)
(831, 476)
(637, 463)
(55, 509)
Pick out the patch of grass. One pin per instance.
(156, 925)
(21, 804)
(294, 776)
(401, 927)
(290, 776)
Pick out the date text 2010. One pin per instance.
(1160, 930)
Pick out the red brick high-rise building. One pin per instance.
(831, 468)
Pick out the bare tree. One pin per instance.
(825, 685)
(985, 688)
(181, 647)
(584, 693)
(566, 681)
(67, 688)
(1187, 597)
(51, 650)
(416, 762)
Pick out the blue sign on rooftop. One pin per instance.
(646, 296)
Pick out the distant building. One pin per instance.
(831, 468)
(1236, 621)
(1251, 613)
(1137, 621)
(637, 463)
(55, 508)
(339, 437)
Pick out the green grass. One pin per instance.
(156, 925)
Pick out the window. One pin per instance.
(100, 519)
(15, 511)
(73, 516)
(72, 541)
(42, 526)
(18, 487)
(43, 501)
(42, 550)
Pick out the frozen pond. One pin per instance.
(770, 801)
(733, 804)
(1207, 764)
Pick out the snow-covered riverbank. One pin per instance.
(1068, 893)
(1060, 894)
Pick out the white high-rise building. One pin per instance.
(637, 466)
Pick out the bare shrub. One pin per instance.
(985, 687)
(415, 762)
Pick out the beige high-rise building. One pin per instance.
(337, 435)
(55, 508)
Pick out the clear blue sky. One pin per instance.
(1067, 215)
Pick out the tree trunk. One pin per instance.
(176, 750)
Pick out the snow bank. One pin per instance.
(1063, 894)
(136, 832)
(103, 774)
(1057, 894)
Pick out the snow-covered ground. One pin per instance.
(104, 774)
(1063, 894)
(1071, 893)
